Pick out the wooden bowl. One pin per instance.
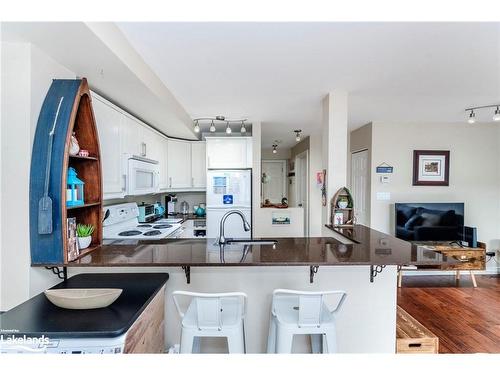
(82, 299)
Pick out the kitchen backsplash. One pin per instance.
(193, 199)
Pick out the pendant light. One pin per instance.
(196, 127)
(297, 135)
(212, 127)
(228, 129)
(243, 130)
(496, 116)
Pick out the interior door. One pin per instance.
(301, 186)
(360, 186)
(274, 185)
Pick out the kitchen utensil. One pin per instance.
(184, 208)
(80, 299)
(45, 203)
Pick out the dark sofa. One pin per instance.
(423, 224)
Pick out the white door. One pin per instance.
(274, 182)
(301, 186)
(179, 164)
(198, 165)
(109, 124)
(360, 186)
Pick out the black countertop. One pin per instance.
(39, 316)
(369, 247)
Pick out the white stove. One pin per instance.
(122, 223)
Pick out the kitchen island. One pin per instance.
(365, 266)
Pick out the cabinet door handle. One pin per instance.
(143, 149)
(124, 185)
(192, 181)
(170, 181)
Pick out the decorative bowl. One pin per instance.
(81, 299)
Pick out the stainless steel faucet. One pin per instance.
(246, 225)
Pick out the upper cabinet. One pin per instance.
(198, 165)
(179, 164)
(182, 164)
(229, 152)
(109, 123)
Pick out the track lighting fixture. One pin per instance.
(275, 148)
(243, 130)
(297, 135)
(496, 116)
(228, 129)
(212, 127)
(471, 119)
(196, 127)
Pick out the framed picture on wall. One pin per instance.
(431, 168)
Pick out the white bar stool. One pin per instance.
(212, 315)
(301, 313)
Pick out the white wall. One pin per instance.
(264, 227)
(474, 172)
(26, 77)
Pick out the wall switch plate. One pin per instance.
(383, 196)
(384, 179)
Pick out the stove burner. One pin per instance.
(152, 233)
(144, 226)
(130, 233)
(162, 226)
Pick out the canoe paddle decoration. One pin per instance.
(45, 202)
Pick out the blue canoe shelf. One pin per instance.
(75, 116)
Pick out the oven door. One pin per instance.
(144, 177)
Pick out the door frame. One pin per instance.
(283, 163)
(298, 172)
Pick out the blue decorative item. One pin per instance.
(200, 211)
(74, 189)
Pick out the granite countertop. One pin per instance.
(39, 316)
(369, 247)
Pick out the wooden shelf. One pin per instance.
(83, 205)
(86, 251)
(78, 157)
(342, 209)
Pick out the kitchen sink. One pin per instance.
(252, 242)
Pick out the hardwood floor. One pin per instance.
(466, 319)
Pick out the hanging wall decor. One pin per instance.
(431, 168)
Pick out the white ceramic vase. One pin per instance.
(84, 242)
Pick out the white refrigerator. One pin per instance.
(228, 189)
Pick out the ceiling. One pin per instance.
(278, 73)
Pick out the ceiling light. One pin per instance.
(212, 127)
(275, 146)
(297, 135)
(496, 116)
(472, 117)
(243, 130)
(228, 129)
(196, 127)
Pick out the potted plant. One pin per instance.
(84, 233)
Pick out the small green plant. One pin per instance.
(83, 230)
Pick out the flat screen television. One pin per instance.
(422, 222)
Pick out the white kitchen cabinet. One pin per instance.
(109, 127)
(163, 164)
(152, 141)
(132, 143)
(198, 165)
(229, 152)
(179, 164)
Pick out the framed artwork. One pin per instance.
(280, 218)
(431, 168)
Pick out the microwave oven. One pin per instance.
(143, 176)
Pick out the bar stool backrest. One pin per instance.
(208, 312)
